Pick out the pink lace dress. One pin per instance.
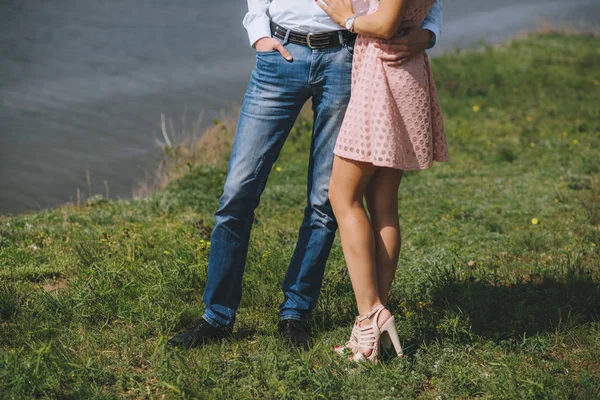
(393, 118)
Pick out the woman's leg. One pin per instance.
(349, 180)
(382, 203)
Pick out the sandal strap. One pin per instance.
(368, 315)
(366, 335)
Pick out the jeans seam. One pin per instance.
(347, 44)
(261, 181)
(258, 167)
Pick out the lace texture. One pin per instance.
(393, 118)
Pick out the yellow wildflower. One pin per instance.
(575, 141)
(476, 108)
(278, 169)
(531, 144)
(167, 252)
(535, 221)
(565, 134)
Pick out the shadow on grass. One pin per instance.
(515, 310)
(465, 309)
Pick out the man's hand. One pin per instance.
(269, 44)
(398, 50)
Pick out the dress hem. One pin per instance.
(384, 165)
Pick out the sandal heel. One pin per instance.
(392, 333)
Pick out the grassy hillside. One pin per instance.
(497, 294)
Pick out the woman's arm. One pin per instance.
(383, 24)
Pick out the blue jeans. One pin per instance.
(277, 91)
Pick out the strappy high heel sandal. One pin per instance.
(371, 336)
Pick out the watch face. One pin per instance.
(349, 23)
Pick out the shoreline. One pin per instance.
(147, 157)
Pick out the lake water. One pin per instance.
(83, 83)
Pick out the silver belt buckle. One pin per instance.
(308, 43)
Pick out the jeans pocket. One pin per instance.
(274, 51)
(266, 53)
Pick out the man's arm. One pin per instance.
(416, 40)
(433, 21)
(257, 21)
(258, 24)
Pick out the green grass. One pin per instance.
(497, 294)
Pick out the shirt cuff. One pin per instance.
(258, 29)
(433, 28)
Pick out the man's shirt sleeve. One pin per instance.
(257, 20)
(433, 20)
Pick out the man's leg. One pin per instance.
(277, 91)
(330, 83)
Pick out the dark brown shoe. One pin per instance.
(200, 334)
(295, 333)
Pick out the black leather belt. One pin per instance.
(313, 40)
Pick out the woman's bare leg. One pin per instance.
(382, 203)
(349, 180)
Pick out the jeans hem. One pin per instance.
(213, 322)
(295, 317)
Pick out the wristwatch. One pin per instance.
(350, 23)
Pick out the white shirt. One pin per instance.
(307, 17)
